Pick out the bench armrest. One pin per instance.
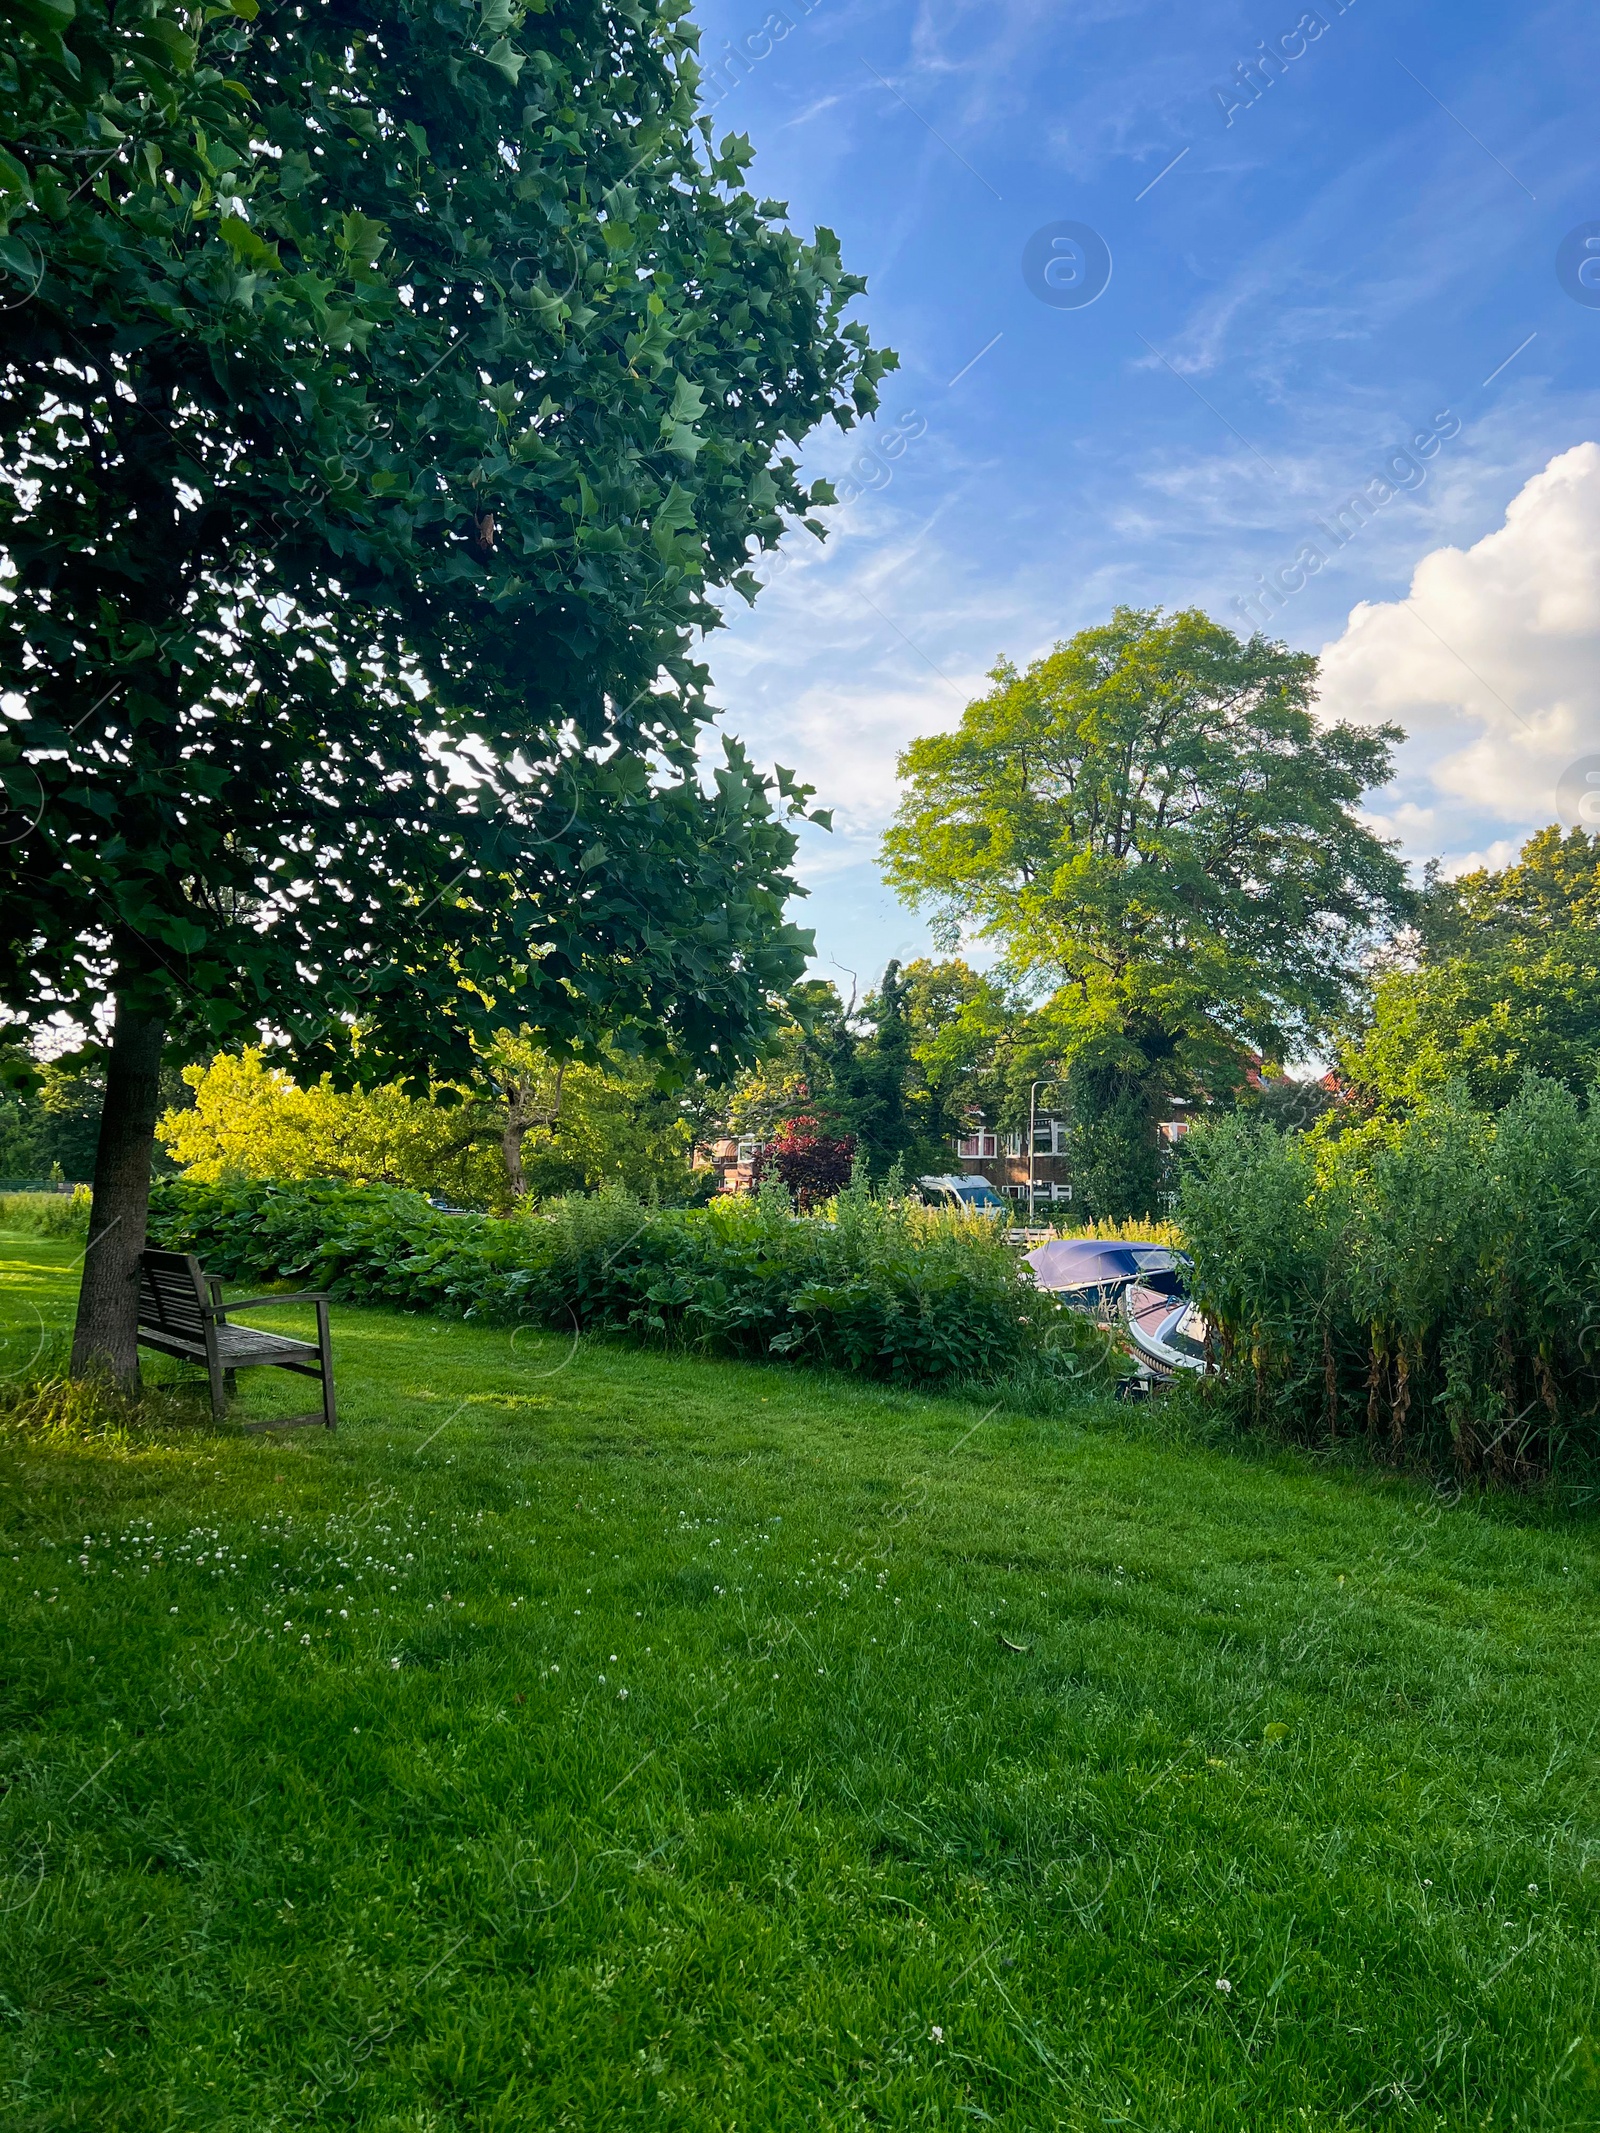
(254, 1303)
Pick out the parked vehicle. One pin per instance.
(974, 1195)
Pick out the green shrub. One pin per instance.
(1431, 1284)
(873, 1286)
(47, 1214)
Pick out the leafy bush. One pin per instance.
(47, 1214)
(812, 1165)
(875, 1286)
(1432, 1284)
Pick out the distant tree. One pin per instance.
(50, 1112)
(386, 393)
(849, 1066)
(1555, 882)
(1164, 843)
(616, 1126)
(904, 1073)
(570, 1129)
(250, 1119)
(872, 1076)
(1483, 1022)
(1500, 977)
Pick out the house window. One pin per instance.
(977, 1147)
(1013, 1144)
(1049, 1136)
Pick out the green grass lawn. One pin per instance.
(583, 1738)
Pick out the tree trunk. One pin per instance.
(511, 1139)
(523, 1112)
(104, 1342)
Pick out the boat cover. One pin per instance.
(1107, 1264)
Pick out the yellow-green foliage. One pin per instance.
(612, 1129)
(1485, 1020)
(1130, 1229)
(251, 1120)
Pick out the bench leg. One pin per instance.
(219, 1387)
(325, 1353)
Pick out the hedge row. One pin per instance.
(876, 1287)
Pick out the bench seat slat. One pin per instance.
(234, 1343)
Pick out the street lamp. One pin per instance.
(1033, 1137)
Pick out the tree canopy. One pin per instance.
(569, 1130)
(1507, 983)
(1554, 882)
(1162, 838)
(420, 353)
(385, 392)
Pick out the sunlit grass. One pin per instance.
(587, 1738)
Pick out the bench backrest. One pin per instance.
(172, 1291)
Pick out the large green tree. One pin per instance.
(1163, 839)
(385, 390)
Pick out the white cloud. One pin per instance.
(1491, 663)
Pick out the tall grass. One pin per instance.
(1432, 1286)
(47, 1214)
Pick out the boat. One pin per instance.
(1096, 1272)
(1166, 1333)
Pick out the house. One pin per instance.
(732, 1160)
(1002, 1158)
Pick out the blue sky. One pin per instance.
(1362, 256)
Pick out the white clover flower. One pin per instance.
(937, 2034)
(1224, 1985)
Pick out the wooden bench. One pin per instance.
(181, 1313)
